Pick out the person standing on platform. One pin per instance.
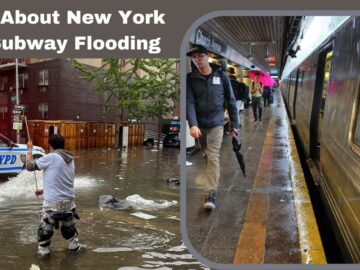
(59, 193)
(267, 95)
(257, 100)
(244, 95)
(207, 90)
(235, 85)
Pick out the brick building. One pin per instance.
(51, 89)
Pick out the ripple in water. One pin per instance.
(143, 204)
(23, 185)
(174, 257)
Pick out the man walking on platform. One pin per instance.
(207, 89)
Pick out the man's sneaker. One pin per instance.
(210, 200)
(43, 251)
(77, 249)
(74, 245)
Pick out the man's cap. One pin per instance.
(231, 70)
(197, 49)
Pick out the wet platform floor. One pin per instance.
(265, 217)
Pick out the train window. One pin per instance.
(325, 82)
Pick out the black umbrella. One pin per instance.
(239, 156)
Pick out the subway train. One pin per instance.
(322, 96)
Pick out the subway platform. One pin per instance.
(265, 217)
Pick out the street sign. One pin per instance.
(18, 109)
(17, 126)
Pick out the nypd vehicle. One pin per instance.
(13, 155)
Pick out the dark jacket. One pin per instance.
(205, 98)
(267, 91)
(235, 85)
(244, 91)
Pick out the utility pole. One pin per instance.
(17, 94)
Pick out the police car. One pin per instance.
(13, 155)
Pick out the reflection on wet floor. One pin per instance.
(146, 236)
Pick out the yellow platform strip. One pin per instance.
(312, 251)
(251, 243)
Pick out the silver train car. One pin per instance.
(322, 95)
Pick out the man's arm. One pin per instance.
(261, 89)
(30, 163)
(190, 110)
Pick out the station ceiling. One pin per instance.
(258, 36)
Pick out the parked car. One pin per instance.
(13, 155)
(172, 140)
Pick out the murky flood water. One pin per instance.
(146, 237)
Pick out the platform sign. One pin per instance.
(274, 71)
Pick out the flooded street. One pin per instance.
(145, 237)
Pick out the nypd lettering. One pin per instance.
(7, 159)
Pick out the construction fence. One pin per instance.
(84, 135)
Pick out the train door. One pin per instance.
(317, 114)
(295, 96)
(288, 91)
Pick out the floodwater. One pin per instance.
(146, 237)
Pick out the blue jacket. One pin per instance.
(205, 99)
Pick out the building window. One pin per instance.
(104, 110)
(3, 111)
(42, 89)
(3, 81)
(43, 77)
(43, 110)
(23, 80)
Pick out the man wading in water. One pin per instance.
(58, 206)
